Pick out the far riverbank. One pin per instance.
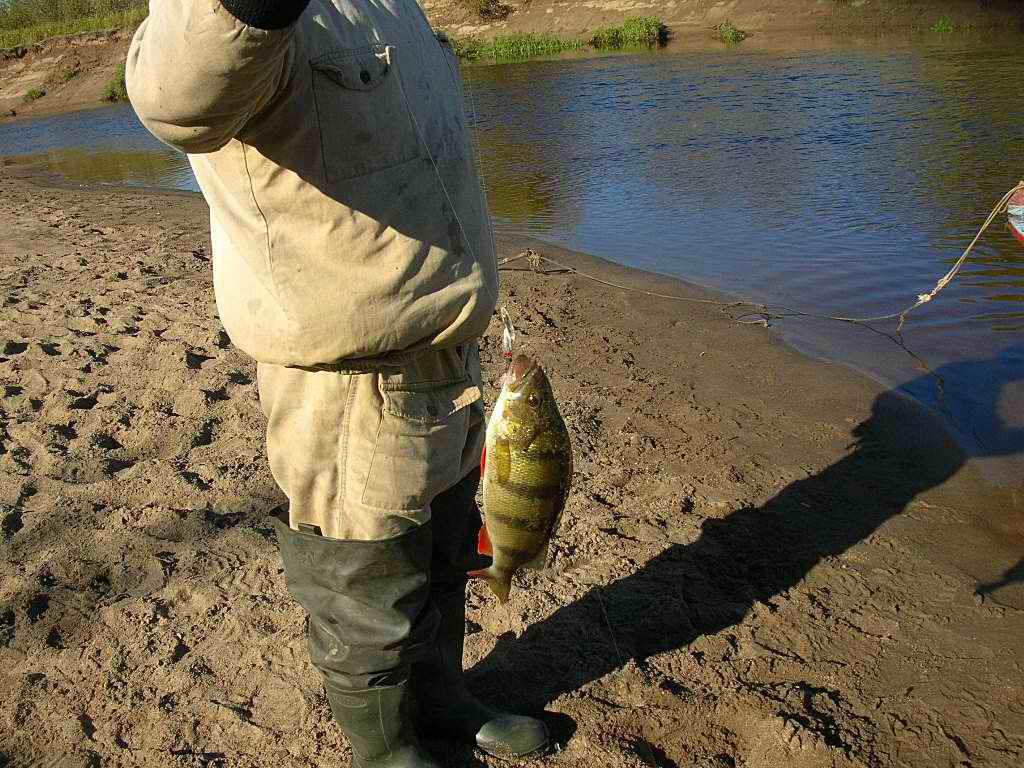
(75, 72)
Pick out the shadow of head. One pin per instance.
(751, 556)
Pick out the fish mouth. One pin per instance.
(521, 371)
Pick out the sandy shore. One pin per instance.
(766, 561)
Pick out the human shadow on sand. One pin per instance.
(1012, 575)
(751, 556)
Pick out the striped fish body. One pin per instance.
(527, 471)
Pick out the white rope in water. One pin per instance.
(766, 312)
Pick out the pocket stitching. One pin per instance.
(373, 458)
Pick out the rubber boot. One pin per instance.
(370, 619)
(449, 708)
(378, 724)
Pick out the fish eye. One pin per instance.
(533, 399)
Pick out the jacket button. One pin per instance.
(365, 77)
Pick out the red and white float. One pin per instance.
(1016, 210)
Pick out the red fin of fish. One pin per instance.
(483, 543)
(483, 460)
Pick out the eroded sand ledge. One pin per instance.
(787, 555)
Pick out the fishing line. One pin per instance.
(430, 155)
(611, 632)
(763, 314)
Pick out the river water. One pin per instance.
(844, 181)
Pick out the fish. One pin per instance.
(526, 471)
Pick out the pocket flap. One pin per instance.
(360, 69)
(433, 406)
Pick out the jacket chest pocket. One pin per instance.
(362, 111)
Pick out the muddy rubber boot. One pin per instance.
(448, 707)
(370, 619)
(378, 724)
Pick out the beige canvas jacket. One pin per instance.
(347, 218)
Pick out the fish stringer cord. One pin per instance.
(508, 338)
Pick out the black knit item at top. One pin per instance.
(266, 14)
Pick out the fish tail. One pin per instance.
(499, 582)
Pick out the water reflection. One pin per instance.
(102, 146)
(149, 168)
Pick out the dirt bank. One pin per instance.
(691, 21)
(765, 561)
(70, 73)
(74, 72)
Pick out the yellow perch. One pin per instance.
(527, 471)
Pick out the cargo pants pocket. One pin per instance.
(418, 451)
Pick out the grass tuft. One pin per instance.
(116, 89)
(512, 47)
(636, 32)
(943, 26)
(729, 33)
(34, 94)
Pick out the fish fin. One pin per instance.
(498, 583)
(483, 460)
(483, 543)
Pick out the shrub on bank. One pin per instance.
(490, 10)
(33, 94)
(730, 34)
(117, 89)
(637, 32)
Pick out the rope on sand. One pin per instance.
(762, 314)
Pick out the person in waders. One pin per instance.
(352, 258)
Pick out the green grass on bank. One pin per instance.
(117, 89)
(638, 32)
(512, 47)
(24, 22)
